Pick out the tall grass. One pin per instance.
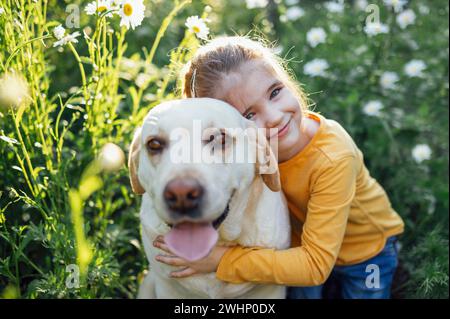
(59, 208)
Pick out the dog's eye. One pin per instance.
(155, 145)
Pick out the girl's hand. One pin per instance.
(205, 265)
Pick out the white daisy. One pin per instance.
(251, 4)
(375, 28)
(198, 26)
(414, 68)
(132, 13)
(316, 67)
(2, 11)
(294, 13)
(98, 7)
(334, 7)
(316, 36)
(397, 5)
(423, 9)
(59, 32)
(406, 18)
(373, 108)
(361, 4)
(421, 152)
(388, 80)
(335, 28)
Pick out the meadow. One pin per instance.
(77, 77)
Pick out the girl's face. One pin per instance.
(261, 97)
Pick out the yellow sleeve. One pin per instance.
(323, 232)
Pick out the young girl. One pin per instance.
(343, 225)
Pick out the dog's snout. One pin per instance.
(183, 195)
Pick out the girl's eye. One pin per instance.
(275, 93)
(249, 116)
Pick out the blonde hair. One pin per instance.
(222, 55)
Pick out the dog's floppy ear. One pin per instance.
(266, 162)
(133, 163)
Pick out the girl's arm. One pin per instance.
(323, 232)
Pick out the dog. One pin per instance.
(194, 204)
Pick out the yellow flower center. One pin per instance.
(196, 29)
(101, 9)
(127, 9)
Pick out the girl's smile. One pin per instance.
(283, 131)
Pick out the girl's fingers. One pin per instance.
(186, 272)
(171, 260)
(162, 246)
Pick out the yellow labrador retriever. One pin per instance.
(186, 160)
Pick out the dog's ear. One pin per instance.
(133, 163)
(266, 162)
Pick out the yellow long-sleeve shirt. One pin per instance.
(339, 215)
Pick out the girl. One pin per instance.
(343, 225)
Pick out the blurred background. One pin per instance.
(380, 68)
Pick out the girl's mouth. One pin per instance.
(284, 130)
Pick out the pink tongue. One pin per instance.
(191, 241)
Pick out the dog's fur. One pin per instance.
(258, 214)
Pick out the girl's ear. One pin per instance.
(133, 163)
(266, 162)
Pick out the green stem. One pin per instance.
(16, 50)
(83, 74)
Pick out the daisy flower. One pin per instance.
(421, 152)
(335, 28)
(316, 67)
(414, 68)
(294, 13)
(316, 36)
(375, 28)
(2, 11)
(98, 7)
(406, 18)
(198, 26)
(397, 5)
(373, 108)
(132, 13)
(59, 32)
(251, 4)
(334, 7)
(361, 4)
(388, 80)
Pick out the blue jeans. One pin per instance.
(371, 279)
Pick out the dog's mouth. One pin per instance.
(194, 240)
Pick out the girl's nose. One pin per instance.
(272, 117)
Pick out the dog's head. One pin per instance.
(191, 156)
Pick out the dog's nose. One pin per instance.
(183, 195)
